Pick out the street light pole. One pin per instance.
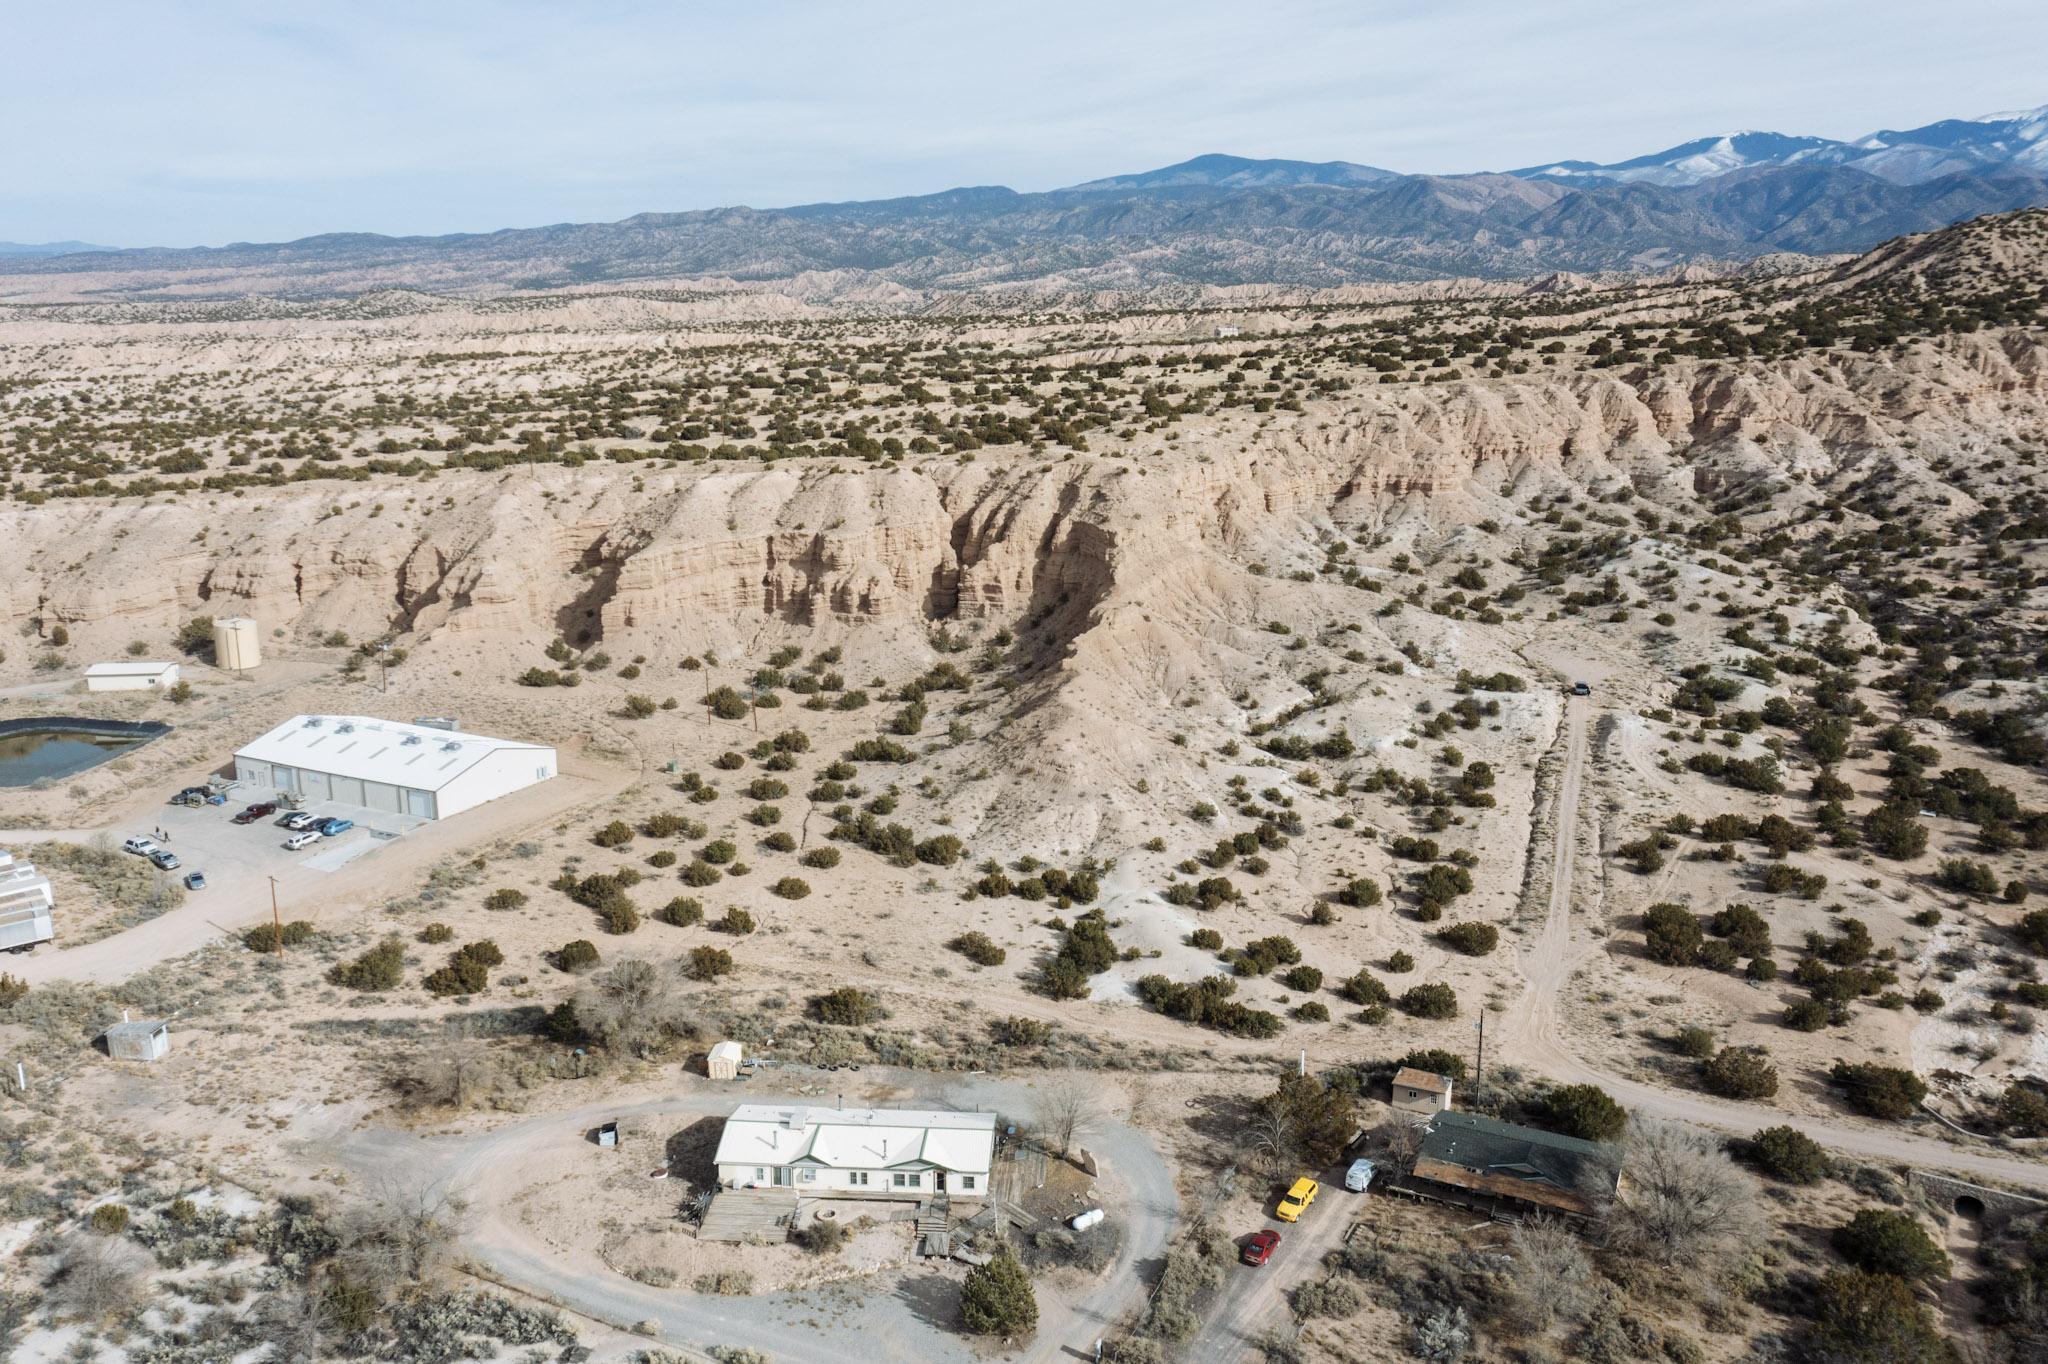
(276, 922)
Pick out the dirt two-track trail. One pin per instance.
(1531, 1033)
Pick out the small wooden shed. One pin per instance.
(723, 1062)
(142, 1040)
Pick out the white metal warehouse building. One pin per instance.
(417, 770)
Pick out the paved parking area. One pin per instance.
(240, 859)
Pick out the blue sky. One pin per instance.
(218, 120)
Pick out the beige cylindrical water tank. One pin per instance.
(236, 644)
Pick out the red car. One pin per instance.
(1260, 1248)
(254, 813)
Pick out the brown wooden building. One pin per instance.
(1499, 1167)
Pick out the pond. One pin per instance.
(33, 751)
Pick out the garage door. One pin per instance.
(285, 778)
(347, 790)
(419, 803)
(313, 785)
(378, 795)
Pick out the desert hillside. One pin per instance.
(1143, 700)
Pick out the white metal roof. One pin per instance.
(725, 1050)
(21, 883)
(139, 669)
(857, 1138)
(417, 756)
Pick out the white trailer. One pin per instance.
(26, 902)
(21, 929)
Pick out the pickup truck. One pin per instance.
(141, 847)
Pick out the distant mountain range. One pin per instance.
(1954, 146)
(47, 248)
(1214, 220)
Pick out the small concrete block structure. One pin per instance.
(142, 1040)
(138, 676)
(1420, 1091)
(724, 1061)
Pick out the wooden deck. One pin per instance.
(748, 1215)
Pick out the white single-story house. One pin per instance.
(896, 1153)
(418, 770)
(138, 676)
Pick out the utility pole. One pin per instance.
(1479, 1071)
(276, 922)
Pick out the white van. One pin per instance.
(304, 839)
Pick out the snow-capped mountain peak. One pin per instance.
(2015, 140)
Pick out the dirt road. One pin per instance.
(1251, 1301)
(909, 1319)
(1531, 1035)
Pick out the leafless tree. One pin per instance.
(1684, 1201)
(1398, 1143)
(98, 1277)
(1271, 1138)
(404, 1235)
(633, 1005)
(295, 1319)
(1067, 1109)
(1547, 1286)
(454, 1075)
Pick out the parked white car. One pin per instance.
(306, 838)
(141, 847)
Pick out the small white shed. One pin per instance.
(142, 1040)
(723, 1063)
(1420, 1091)
(137, 676)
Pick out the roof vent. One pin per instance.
(344, 728)
(451, 747)
(312, 722)
(410, 740)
